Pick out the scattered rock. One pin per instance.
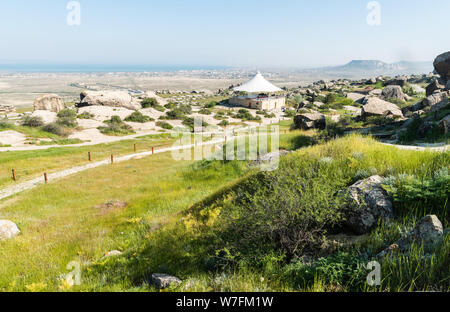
(372, 80)
(47, 116)
(113, 253)
(377, 107)
(428, 231)
(8, 230)
(162, 281)
(366, 201)
(48, 102)
(434, 98)
(310, 121)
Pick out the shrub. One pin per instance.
(85, 115)
(153, 103)
(57, 129)
(246, 115)
(224, 123)
(5, 124)
(342, 269)
(290, 113)
(164, 125)
(68, 122)
(33, 121)
(67, 113)
(205, 111)
(116, 127)
(211, 104)
(138, 117)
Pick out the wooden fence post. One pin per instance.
(45, 177)
(89, 156)
(112, 159)
(14, 175)
(153, 151)
(135, 147)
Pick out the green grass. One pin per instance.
(30, 164)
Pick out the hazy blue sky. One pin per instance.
(235, 33)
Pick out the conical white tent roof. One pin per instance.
(257, 84)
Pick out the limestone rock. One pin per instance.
(400, 81)
(109, 98)
(366, 202)
(377, 107)
(162, 281)
(48, 102)
(8, 230)
(357, 97)
(310, 121)
(427, 232)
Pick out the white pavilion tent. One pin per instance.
(257, 84)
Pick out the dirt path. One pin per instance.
(14, 189)
(17, 188)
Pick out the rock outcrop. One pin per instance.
(366, 201)
(162, 281)
(109, 98)
(376, 107)
(427, 232)
(310, 121)
(8, 230)
(48, 102)
(445, 124)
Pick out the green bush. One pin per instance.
(33, 121)
(246, 115)
(211, 104)
(429, 195)
(164, 125)
(5, 124)
(57, 129)
(224, 123)
(205, 111)
(115, 126)
(138, 117)
(68, 122)
(67, 113)
(85, 115)
(341, 269)
(153, 103)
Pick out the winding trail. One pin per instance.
(30, 184)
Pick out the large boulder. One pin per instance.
(162, 281)
(357, 97)
(435, 85)
(48, 102)
(427, 232)
(310, 121)
(393, 92)
(109, 98)
(442, 65)
(8, 230)
(436, 101)
(366, 201)
(377, 107)
(399, 81)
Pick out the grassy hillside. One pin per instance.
(222, 226)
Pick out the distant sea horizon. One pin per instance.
(102, 68)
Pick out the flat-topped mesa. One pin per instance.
(108, 98)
